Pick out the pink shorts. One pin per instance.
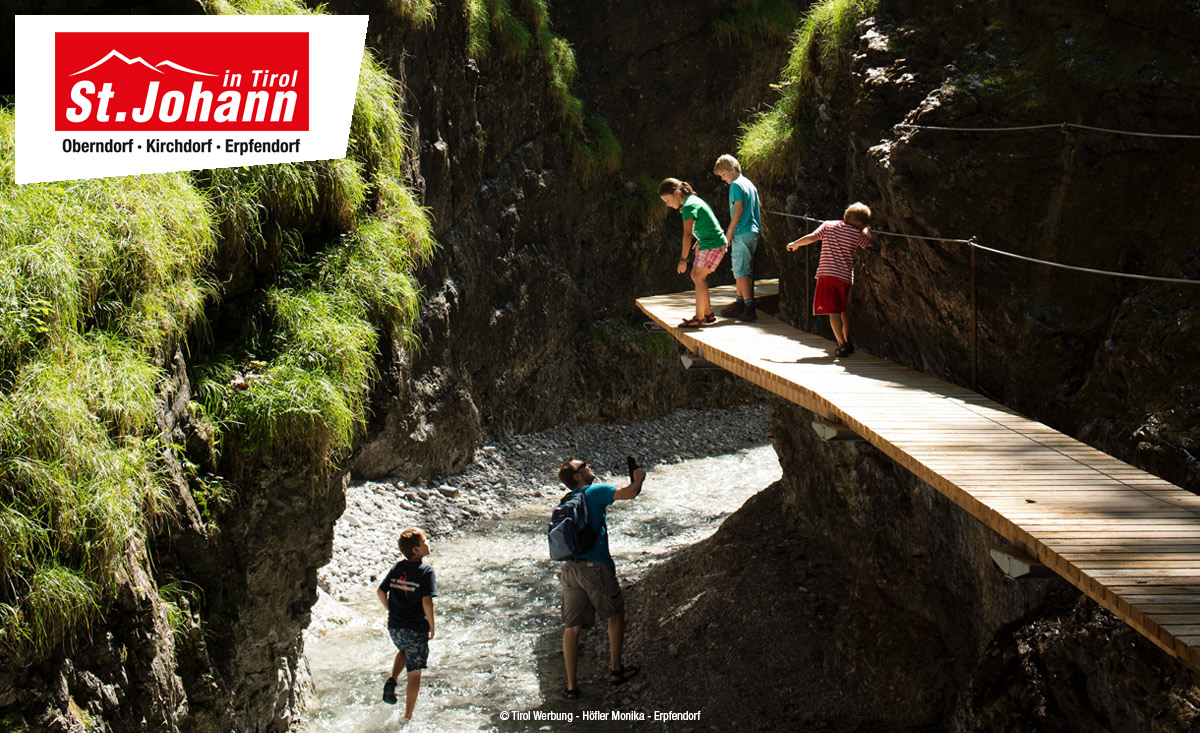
(830, 296)
(709, 258)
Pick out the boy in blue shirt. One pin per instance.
(744, 233)
(589, 582)
(407, 593)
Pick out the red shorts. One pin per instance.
(830, 296)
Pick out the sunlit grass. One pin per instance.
(101, 281)
(418, 12)
(771, 145)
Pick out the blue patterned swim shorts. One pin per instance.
(414, 644)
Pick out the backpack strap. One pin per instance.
(603, 521)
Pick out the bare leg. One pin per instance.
(398, 665)
(699, 277)
(846, 327)
(410, 700)
(616, 640)
(836, 322)
(571, 654)
(745, 287)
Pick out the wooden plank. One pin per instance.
(1123, 536)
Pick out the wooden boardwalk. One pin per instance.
(1126, 538)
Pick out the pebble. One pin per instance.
(513, 470)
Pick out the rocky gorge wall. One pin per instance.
(528, 316)
(925, 633)
(527, 320)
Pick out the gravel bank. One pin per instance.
(508, 471)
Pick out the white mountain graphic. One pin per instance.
(174, 65)
(139, 60)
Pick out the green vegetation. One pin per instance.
(770, 145)
(13, 722)
(179, 598)
(749, 20)
(97, 278)
(100, 280)
(418, 12)
(299, 377)
(597, 150)
(623, 337)
(638, 202)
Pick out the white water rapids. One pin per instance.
(498, 642)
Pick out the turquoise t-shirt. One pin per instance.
(598, 497)
(705, 228)
(743, 190)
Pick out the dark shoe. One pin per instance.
(734, 309)
(748, 315)
(624, 674)
(692, 322)
(843, 349)
(849, 347)
(710, 319)
(572, 694)
(389, 692)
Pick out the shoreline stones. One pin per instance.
(508, 471)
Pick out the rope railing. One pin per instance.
(975, 244)
(880, 231)
(1062, 127)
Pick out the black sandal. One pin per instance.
(623, 675)
(572, 694)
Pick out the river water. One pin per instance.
(498, 643)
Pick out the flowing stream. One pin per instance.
(499, 637)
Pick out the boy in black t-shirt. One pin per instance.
(407, 593)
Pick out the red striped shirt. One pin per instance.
(838, 242)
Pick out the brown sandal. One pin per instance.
(693, 322)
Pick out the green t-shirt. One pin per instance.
(705, 228)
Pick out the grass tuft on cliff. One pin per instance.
(342, 238)
(418, 12)
(770, 145)
(597, 151)
(748, 20)
(98, 278)
(101, 281)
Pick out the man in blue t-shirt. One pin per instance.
(589, 582)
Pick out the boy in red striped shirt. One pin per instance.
(835, 271)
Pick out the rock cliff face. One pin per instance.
(529, 317)
(927, 634)
(528, 320)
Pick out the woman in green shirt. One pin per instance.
(699, 222)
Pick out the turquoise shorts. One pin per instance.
(742, 251)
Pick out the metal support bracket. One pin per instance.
(1018, 565)
(693, 361)
(832, 431)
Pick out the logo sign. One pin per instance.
(105, 96)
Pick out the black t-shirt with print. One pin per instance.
(406, 584)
